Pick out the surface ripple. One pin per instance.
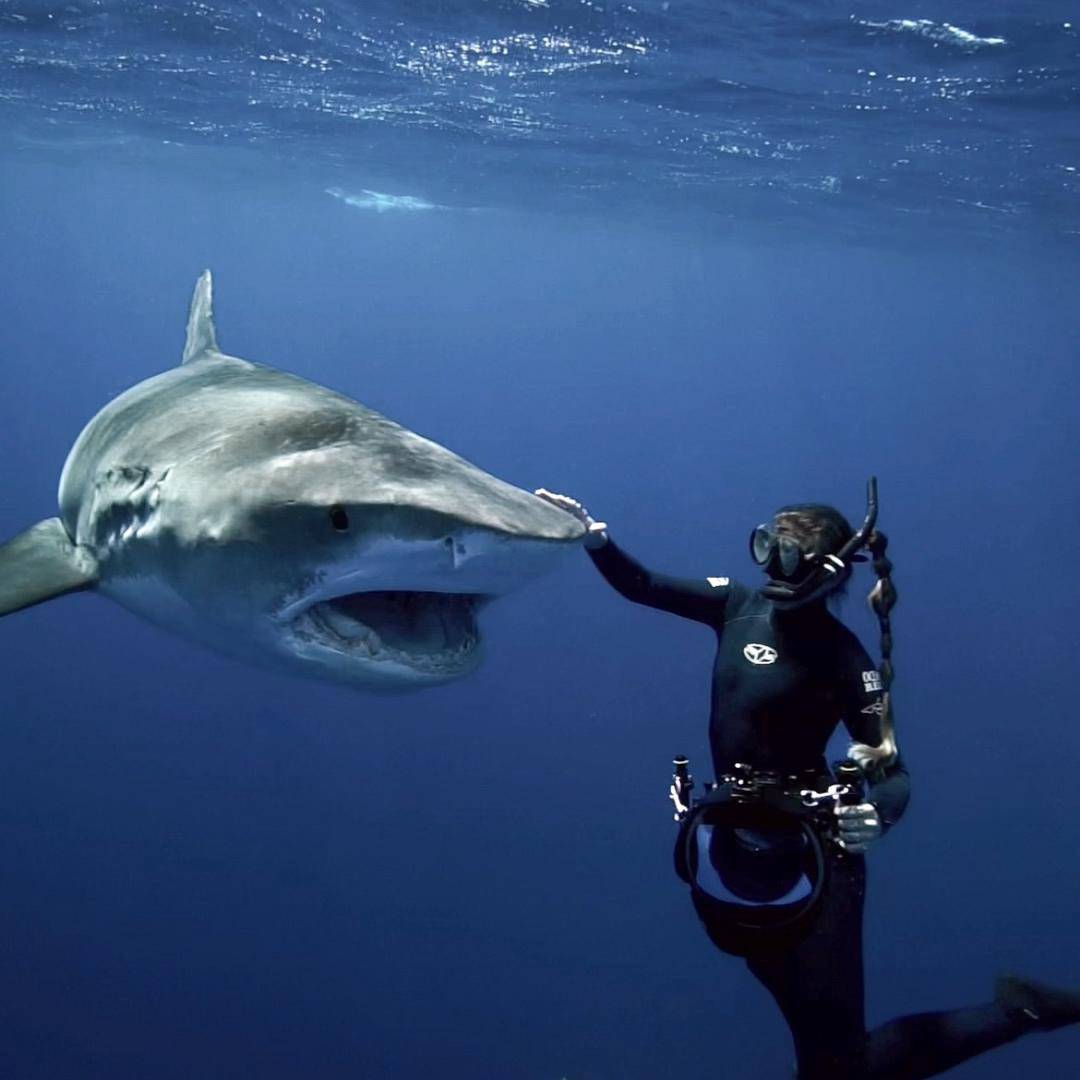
(949, 114)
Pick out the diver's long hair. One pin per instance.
(822, 530)
(882, 597)
(873, 758)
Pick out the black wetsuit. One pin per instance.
(782, 681)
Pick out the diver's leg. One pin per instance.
(925, 1044)
(913, 1047)
(818, 983)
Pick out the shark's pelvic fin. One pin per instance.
(42, 563)
(201, 338)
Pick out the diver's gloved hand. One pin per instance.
(595, 531)
(858, 827)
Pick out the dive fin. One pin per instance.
(1035, 1003)
(201, 338)
(42, 563)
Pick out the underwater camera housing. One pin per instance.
(756, 850)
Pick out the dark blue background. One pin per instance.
(210, 870)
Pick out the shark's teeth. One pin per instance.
(430, 633)
(343, 625)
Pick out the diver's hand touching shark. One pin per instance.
(595, 531)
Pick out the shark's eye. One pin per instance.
(339, 519)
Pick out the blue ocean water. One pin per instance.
(686, 261)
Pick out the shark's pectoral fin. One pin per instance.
(42, 563)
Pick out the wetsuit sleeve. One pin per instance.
(701, 599)
(889, 790)
(888, 782)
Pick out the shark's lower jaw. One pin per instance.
(430, 634)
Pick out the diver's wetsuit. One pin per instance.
(782, 680)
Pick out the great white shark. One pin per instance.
(283, 523)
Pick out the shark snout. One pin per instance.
(465, 498)
(540, 520)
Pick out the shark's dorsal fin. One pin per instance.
(201, 338)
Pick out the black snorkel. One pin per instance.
(830, 567)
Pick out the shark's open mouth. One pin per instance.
(427, 631)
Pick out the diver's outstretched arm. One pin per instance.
(700, 599)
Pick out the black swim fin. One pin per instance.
(1043, 1007)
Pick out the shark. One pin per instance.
(381, 202)
(284, 524)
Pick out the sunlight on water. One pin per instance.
(723, 112)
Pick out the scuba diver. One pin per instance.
(773, 854)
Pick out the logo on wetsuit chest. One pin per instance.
(871, 681)
(759, 654)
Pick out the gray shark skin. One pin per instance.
(284, 524)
